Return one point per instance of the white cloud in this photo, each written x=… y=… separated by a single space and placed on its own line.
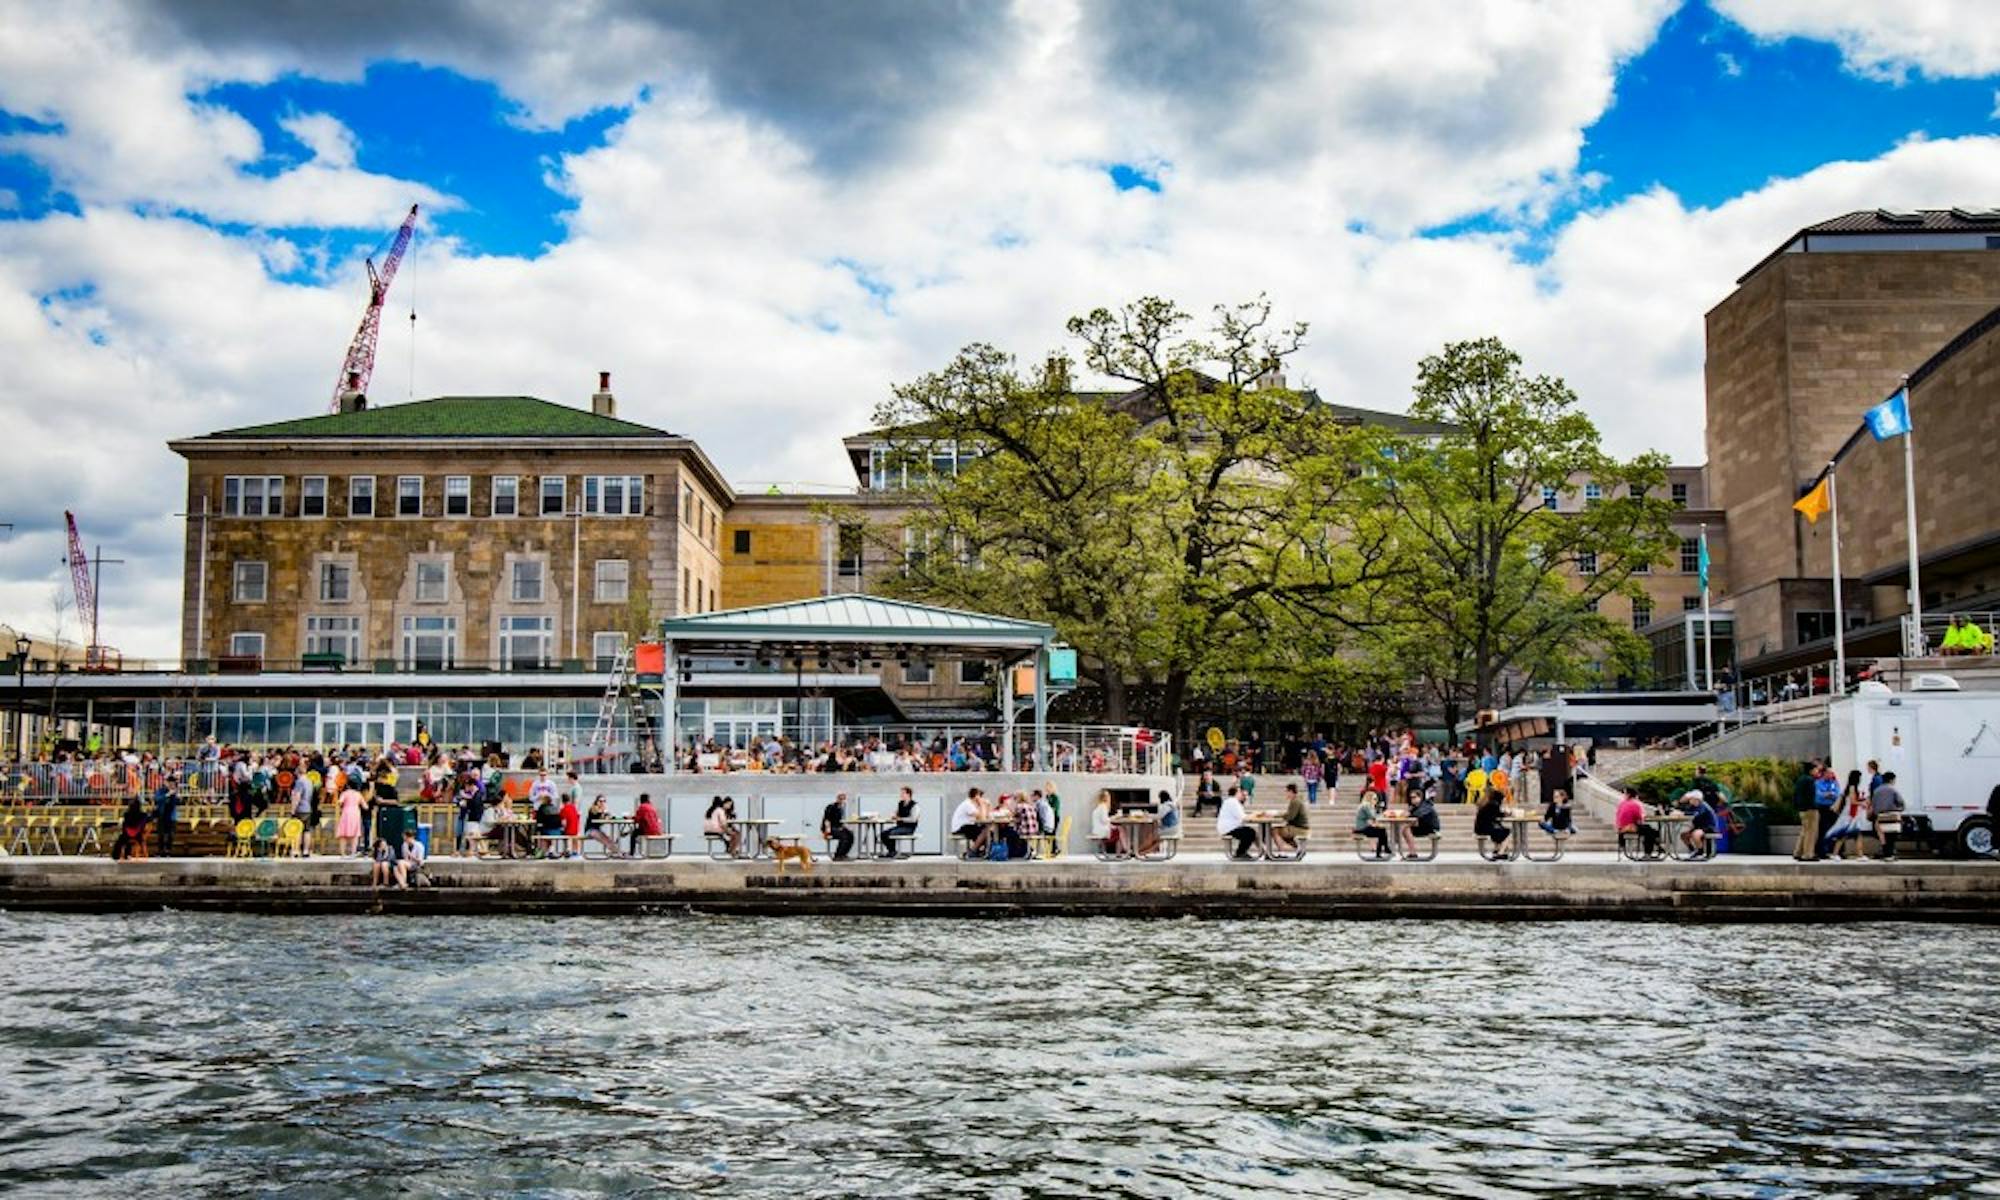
x=1940 y=38
x=716 y=265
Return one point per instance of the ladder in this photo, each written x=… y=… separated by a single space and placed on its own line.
x=622 y=687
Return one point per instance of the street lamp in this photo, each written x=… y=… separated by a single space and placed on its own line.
x=22 y=645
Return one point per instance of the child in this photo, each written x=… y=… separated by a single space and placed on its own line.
x=385 y=863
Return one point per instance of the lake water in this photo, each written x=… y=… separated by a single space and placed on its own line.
x=203 y=1055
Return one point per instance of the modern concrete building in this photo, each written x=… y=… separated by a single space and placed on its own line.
x=1820 y=330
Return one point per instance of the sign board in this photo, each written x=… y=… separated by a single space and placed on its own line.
x=1062 y=664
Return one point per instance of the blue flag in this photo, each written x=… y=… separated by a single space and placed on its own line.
x=1704 y=560
x=1891 y=418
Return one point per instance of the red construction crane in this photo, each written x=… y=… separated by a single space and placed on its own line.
x=360 y=361
x=84 y=573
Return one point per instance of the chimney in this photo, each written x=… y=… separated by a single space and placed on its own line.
x=604 y=404
x=351 y=399
x=1272 y=376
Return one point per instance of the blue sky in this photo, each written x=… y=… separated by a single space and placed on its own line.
x=762 y=220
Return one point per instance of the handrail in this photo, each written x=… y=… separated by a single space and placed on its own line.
x=1933 y=630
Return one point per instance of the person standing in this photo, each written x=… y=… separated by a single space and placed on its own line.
x=347 y=829
x=1310 y=773
x=1805 y=790
x=301 y=801
x=1826 y=803
x=166 y=808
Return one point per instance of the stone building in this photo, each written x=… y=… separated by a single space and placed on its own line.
x=1819 y=331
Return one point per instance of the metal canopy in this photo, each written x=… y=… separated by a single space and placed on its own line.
x=860 y=625
x=856 y=621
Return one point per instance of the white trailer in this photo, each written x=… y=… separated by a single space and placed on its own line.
x=1944 y=746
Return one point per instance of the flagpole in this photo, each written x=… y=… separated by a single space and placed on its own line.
x=1838 y=684
x=1707 y=641
x=1916 y=646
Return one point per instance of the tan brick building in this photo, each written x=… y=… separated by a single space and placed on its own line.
x=1814 y=335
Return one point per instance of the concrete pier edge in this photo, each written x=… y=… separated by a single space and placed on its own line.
x=1763 y=889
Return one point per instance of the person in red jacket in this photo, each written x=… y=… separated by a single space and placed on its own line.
x=645 y=823
x=572 y=827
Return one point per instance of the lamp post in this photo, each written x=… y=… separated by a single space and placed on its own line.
x=22 y=645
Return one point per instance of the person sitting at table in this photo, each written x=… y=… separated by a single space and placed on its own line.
x=1025 y=825
x=1234 y=824
x=968 y=821
x=833 y=827
x=1556 y=815
x=1168 y=826
x=1424 y=822
x=1487 y=821
x=1102 y=832
x=906 y=823
x=502 y=829
x=1365 y=824
x=1630 y=821
x=645 y=824
x=593 y=827
x=1288 y=835
x=719 y=820
x=1702 y=821
x=548 y=823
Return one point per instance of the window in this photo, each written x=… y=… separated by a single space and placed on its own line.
x=687 y=504
x=361 y=496
x=740 y=541
x=554 y=493
x=687 y=579
x=335 y=582
x=409 y=495
x=506 y=495
x=1592 y=493
x=334 y=635
x=430 y=643
x=613 y=580
x=1590 y=605
x=250 y=580
x=312 y=496
x=1642 y=613
x=253 y=495
x=712 y=605
x=1690 y=603
x=975 y=671
x=458 y=495
x=850 y=551
x=614 y=495
x=524 y=642
x=606 y=649
x=1680 y=494
x=1644 y=568
x=916 y=672
x=527 y=581
x=1690 y=556
x=432 y=586
x=1586 y=562
x=246 y=645
x=1549 y=498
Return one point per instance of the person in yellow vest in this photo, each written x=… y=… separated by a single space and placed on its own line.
x=1956 y=639
x=1475 y=783
x=1977 y=640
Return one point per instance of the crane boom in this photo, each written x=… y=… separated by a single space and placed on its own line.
x=359 y=364
x=79 y=574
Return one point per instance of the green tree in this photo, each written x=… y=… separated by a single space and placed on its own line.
x=1490 y=586
x=1171 y=529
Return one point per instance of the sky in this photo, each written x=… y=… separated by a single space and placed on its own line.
x=762 y=216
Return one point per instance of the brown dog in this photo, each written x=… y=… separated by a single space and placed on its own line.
x=781 y=852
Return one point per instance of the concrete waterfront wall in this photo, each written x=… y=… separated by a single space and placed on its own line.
x=797 y=800
x=1753 y=889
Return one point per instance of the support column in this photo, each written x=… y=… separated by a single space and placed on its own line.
x=1005 y=689
x=670 y=703
x=1041 y=754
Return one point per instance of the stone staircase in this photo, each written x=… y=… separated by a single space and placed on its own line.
x=1333 y=819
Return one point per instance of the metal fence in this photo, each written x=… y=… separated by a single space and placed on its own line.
x=110 y=781
x=1928 y=639
x=892 y=749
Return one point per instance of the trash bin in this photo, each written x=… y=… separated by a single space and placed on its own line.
x=1756 y=835
x=389 y=823
x=424 y=839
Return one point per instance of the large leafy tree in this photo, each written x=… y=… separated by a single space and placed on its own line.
x=1175 y=528
x=1490 y=587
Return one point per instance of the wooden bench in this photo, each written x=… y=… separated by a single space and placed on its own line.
x=908 y=843
x=663 y=842
x=1366 y=838
x=717 y=846
x=1436 y=838
x=1273 y=854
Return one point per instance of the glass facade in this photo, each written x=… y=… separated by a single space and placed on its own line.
x=516 y=723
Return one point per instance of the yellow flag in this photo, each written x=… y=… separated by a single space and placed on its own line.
x=1814 y=503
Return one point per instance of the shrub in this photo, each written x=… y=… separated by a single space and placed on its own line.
x=1766 y=781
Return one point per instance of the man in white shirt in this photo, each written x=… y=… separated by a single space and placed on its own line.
x=968 y=822
x=410 y=867
x=1232 y=824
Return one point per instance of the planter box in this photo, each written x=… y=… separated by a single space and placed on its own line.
x=1784 y=838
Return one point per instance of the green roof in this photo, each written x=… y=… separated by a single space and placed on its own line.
x=454 y=416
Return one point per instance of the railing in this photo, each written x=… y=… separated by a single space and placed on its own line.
x=892 y=749
x=109 y=781
x=1936 y=625
x=1794 y=697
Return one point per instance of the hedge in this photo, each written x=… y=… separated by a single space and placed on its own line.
x=1766 y=781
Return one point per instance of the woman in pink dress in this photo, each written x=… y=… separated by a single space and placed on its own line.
x=348 y=831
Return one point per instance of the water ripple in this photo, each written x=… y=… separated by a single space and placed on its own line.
x=174 y=1054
